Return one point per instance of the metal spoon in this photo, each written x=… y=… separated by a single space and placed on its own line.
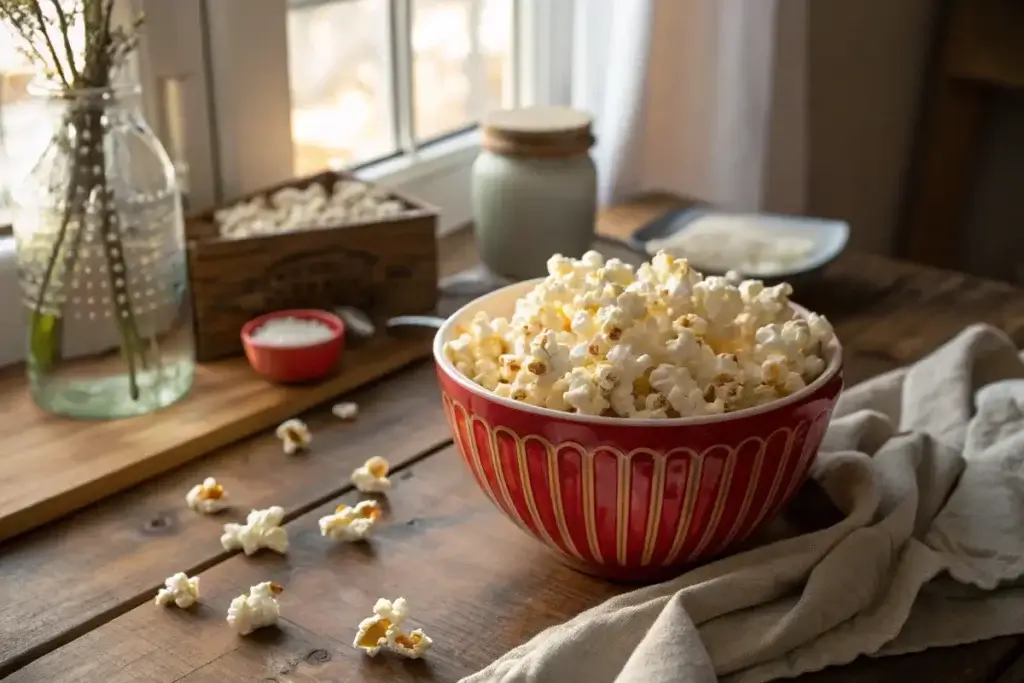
x=431 y=321
x=359 y=323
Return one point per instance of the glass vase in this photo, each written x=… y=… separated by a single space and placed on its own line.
x=102 y=263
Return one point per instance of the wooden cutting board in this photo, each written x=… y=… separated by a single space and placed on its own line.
x=50 y=466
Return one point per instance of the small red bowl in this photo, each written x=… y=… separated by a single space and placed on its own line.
x=291 y=364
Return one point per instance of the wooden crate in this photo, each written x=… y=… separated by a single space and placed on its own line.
x=385 y=267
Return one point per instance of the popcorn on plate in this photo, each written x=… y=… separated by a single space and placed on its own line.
x=179 y=590
x=294 y=435
x=258 y=609
x=600 y=337
x=208 y=497
x=351 y=524
x=372 y=476
x=384 y=630
x=346 y=410
x=262 y=529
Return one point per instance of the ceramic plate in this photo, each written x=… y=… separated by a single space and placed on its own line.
x=823 y=240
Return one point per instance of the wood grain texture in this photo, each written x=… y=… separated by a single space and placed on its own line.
x=476 y=584
x=86 y=461
x=66 y=578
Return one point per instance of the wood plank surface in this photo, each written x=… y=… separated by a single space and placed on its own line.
x=86 y=461
x=887 y=313
x=66 y=578
x=476 y=584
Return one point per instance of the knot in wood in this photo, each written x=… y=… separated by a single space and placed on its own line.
x=318 y=656
x=159 y=524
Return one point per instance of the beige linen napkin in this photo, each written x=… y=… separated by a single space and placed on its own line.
x=926 y=465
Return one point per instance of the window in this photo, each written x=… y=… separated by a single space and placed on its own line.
x=249 y=93
x=22 y=135
x=394 y=87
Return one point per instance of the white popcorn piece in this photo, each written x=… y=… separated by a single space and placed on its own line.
x=384 y=630
x=412 y=645
x=208 y=497
x=294 y=435
x=292 y=208
x=596 y=336
x=262 y=529
x=258 y=609
x=372 y=476
x=179 y=590
x=346 y=410
x=351 y=523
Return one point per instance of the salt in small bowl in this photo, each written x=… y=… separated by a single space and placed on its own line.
x=292 y=363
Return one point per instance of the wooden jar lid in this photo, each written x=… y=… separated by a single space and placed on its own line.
x=538 y=132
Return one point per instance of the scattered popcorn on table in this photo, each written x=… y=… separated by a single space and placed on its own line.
x=208 y=497
x=179 y=590
x=295 y=436
x=292 y=209
x=256 y=610
x=346 y=410
x=600 y=337
x=372 y=477
x=262 y=529
x=383 y=630
x=351 y=523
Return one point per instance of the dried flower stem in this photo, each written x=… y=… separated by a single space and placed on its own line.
x=88 y=187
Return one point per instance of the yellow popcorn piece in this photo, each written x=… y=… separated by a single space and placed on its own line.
x=384 y=631
x=353 y=523
x=372 y=477
x=295 y=436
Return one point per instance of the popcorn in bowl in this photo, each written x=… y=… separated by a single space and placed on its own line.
x=601 y=338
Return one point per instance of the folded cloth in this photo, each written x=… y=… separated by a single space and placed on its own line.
x=926 y=465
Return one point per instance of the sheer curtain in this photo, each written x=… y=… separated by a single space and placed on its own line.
x=704 y=98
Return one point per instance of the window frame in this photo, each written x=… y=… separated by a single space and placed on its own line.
x=252 y=76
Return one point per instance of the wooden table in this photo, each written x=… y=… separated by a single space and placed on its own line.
x=76 y=596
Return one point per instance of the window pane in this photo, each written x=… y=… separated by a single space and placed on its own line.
x=462 y=62
x=26 y=123
x=339 y=66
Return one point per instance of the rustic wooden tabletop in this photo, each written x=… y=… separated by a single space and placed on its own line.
x=76 y=596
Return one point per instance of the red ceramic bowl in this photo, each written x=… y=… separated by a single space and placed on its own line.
x=291 y=364
x=632 y=499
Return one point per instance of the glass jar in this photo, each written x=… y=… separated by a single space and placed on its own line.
x=102 y=263
x=534 y=190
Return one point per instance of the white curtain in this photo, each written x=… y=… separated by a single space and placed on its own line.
x=703 y=98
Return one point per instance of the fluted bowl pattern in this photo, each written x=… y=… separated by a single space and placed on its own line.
x=632 y=499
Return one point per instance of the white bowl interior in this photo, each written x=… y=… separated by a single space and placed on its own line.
x=501 y=303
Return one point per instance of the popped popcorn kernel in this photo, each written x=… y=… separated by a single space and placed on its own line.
x=351 y=524
x=179 y=590
x=414 y=645
x=346 y=410
x=258 y=609
x=384 y=630
x=262 y=529
x=599 y=338
x=372 y=476
x=208 y=497
x=294 y=435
